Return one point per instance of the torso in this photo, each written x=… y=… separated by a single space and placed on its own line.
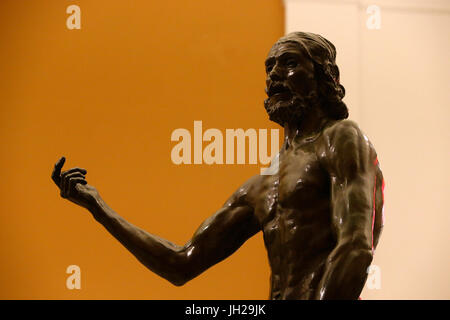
x=293 y=208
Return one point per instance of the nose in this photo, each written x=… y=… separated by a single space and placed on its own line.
x=276 y=73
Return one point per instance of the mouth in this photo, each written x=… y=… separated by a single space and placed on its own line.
x=277 y=89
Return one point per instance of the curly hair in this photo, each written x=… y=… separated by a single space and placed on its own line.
x=323 y=55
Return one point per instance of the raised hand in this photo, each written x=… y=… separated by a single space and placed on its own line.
x=73 y=185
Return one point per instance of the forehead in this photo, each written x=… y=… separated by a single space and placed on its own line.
x=286 y=47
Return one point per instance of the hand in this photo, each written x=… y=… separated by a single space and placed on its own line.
x=73 y=186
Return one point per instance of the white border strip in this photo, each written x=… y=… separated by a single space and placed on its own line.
x=435 y=6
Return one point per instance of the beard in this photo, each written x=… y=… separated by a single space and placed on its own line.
x=289 y=108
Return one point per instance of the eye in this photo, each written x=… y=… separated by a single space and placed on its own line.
x=269 y=68
x=291 y=63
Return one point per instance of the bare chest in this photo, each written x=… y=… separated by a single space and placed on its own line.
x=301 y=186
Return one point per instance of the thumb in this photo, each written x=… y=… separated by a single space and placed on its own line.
x=80 y=187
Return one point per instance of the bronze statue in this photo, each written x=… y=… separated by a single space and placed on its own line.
x=320 y=213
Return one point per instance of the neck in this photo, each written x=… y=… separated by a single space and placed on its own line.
x=308 y=126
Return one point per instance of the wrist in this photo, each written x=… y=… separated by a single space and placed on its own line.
x=96 y=207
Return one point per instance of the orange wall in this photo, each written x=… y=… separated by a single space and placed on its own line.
x=108 y=97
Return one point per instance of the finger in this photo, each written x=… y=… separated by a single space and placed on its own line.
x=73 y=182
x=57 y=171
x=83 y=171
x=63 y=183
x=63 y=187
x=66 y=180
x=73 y=174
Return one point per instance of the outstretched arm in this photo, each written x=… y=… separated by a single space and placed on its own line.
x=217 y=238
x=350 y=161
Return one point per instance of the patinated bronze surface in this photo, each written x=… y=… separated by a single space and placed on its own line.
x=320 y=213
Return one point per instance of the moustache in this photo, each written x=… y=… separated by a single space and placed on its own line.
x=287 y=106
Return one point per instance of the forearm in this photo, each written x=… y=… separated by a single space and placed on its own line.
x=159 y=255
x=346 y=266
x=345 y=273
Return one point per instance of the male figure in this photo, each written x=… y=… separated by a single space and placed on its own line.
x=320 y=213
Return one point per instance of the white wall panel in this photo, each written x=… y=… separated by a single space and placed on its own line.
x=398 y=89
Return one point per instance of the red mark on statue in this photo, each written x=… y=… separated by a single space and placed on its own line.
x=374 y=211
x=382 y=197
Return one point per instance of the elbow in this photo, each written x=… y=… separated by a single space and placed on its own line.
x=357 y=251
x=181 y=272
x=180 y=278
x=178 y=282
x=363 y=256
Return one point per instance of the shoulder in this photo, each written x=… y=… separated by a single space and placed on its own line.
x=346 y=150
x=342 y=131
x=244 y=193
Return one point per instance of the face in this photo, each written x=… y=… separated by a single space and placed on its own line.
x=290 y=84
